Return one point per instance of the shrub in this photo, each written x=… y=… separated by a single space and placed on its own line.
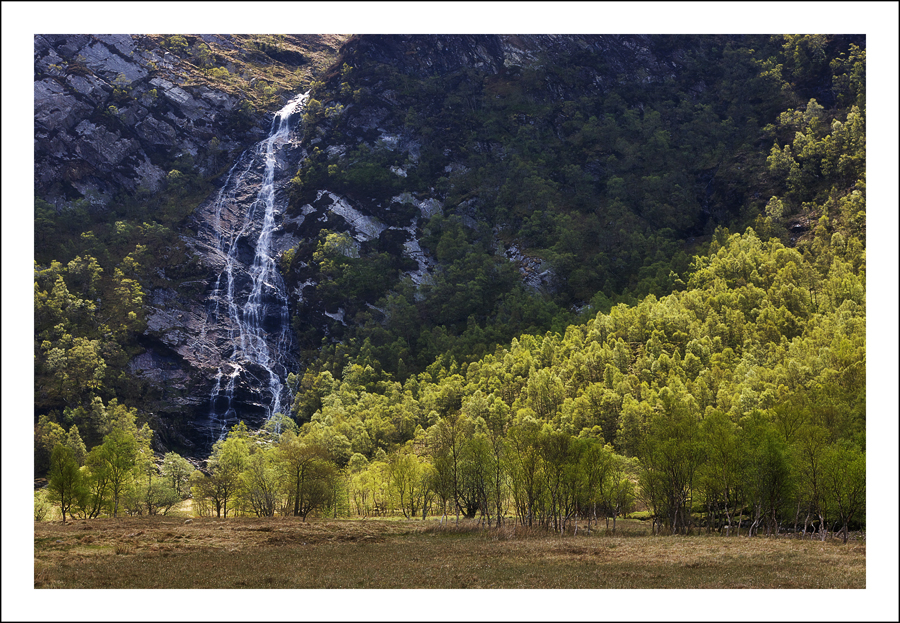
x=43 y=510
x=176 y=44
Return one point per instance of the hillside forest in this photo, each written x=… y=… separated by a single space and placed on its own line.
x=691 y=350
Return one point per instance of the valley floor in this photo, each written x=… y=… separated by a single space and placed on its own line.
x=171 y=552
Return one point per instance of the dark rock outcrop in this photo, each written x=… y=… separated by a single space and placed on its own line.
x=112 y=110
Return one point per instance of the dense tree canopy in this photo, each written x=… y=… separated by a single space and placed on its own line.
x=611 y=190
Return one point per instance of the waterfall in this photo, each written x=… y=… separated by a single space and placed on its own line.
x=258 y=319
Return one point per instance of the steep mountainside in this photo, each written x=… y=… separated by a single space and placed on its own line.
x=510 y=184
x=203 y=230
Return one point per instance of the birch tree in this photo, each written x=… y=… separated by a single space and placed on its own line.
x=66 y=486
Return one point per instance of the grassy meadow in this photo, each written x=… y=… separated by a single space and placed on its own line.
x=172 y=552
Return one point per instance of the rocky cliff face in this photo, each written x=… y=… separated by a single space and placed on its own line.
x=113 y=111
x=110 y=111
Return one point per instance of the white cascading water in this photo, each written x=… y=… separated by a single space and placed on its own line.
x=253 y=343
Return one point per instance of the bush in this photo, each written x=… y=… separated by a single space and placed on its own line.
x=43 y=510
x=219 y=73
x=176 y=44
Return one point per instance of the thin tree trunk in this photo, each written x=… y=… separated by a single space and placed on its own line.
x=297 y=495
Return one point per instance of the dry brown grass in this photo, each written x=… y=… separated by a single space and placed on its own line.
x=319 y=52
x=288 y=553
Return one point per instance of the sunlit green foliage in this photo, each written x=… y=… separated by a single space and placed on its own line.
x=718 y=391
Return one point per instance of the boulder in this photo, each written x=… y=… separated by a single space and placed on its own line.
x=149 y=175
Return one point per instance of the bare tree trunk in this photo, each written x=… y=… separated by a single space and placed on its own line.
x=754 y=527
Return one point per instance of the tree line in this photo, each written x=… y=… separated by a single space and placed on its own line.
x=739 y=401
